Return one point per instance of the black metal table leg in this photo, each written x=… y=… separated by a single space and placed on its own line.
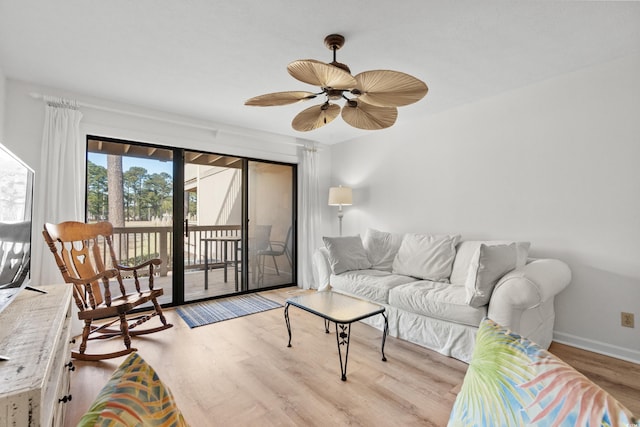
x=286 y=319
x=326 y=325
x=224 y=251
x=342 y=338
x=384 y=335
x=206 y=265
x=235 y=262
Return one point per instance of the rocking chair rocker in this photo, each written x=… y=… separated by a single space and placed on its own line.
x=76 y=247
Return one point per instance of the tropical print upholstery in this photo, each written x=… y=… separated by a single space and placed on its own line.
x=513 y=382
x=134 y=396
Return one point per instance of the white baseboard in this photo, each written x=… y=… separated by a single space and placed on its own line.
x=598 y=347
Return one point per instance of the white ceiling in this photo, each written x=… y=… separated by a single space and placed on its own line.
x=204 y=58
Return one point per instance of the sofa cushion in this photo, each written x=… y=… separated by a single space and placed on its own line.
x=346 y=254
x=381 y=248
x=468 y=249
x=426 y=256
x=373 y=285
x=513 y=382
x=436 y=299
x=491 y=263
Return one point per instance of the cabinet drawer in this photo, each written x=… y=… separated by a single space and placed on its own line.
x=35 y=335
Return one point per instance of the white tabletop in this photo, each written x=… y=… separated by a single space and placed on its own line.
x=336 y=307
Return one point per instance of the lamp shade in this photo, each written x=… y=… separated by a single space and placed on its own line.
x=340 y=196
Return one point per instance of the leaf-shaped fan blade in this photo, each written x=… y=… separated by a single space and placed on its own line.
x=279 y=98
x=386 y=88
x=367 y=116
x=320 y=74
x=315 y=117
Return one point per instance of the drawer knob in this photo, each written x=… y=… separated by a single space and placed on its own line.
x=65 y=399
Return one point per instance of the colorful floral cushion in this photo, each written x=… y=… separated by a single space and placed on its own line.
x=134 y=396
x=513 y=382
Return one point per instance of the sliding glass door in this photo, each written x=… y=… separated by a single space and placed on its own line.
x=271 y=224
x=221 y=224
x=213 y=225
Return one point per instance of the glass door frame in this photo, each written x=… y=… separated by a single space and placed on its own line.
x=178 y=226
x=246 y=279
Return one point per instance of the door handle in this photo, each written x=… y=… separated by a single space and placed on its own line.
x=186 y=228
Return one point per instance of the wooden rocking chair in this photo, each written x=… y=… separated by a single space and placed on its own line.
x=76 y=247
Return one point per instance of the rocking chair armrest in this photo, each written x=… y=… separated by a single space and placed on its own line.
x=154 y=261
x=106 y=274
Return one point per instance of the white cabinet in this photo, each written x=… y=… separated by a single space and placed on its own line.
x=34 y=334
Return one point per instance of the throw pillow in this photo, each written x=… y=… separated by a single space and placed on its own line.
x=468 y=249
x=346 y=254
x=513 y=382
x=490 y=264
x=381 y=248
x=134 y=396
x=426 y=257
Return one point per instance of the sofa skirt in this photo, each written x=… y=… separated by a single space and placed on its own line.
x=447 y=338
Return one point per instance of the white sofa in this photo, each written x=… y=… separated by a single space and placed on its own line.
x=437 y=289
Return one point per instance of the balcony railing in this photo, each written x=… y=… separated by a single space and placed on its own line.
x=134 y=245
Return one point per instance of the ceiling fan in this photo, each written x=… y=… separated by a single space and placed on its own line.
x=373 y=95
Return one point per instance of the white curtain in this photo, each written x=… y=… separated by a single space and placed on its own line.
x=310 y=220
x=60 y=182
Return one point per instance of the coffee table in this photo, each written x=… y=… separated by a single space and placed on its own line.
x=342 y=310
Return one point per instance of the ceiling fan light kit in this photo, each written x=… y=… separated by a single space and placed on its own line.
x=371 y=97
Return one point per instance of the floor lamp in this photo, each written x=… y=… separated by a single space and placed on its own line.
x=340 y=196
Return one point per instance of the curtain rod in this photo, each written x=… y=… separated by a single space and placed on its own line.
x=36 y=95
x=132 y=113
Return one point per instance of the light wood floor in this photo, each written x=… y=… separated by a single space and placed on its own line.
x=240 y=372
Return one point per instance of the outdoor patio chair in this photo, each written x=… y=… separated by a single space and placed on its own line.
x=259 y=243
x=77 y=250
x=276 y=249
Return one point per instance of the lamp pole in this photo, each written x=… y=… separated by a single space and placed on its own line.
x=340 y=196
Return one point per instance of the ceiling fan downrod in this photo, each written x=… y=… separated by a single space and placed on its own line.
x=335 y=42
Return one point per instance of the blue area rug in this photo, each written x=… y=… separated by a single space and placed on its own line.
x=205 y=313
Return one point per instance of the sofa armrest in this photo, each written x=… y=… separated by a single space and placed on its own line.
x=322 y=268
x=526 y=288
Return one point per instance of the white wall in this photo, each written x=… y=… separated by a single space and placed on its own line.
x=555 y=163
x=211 y=201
